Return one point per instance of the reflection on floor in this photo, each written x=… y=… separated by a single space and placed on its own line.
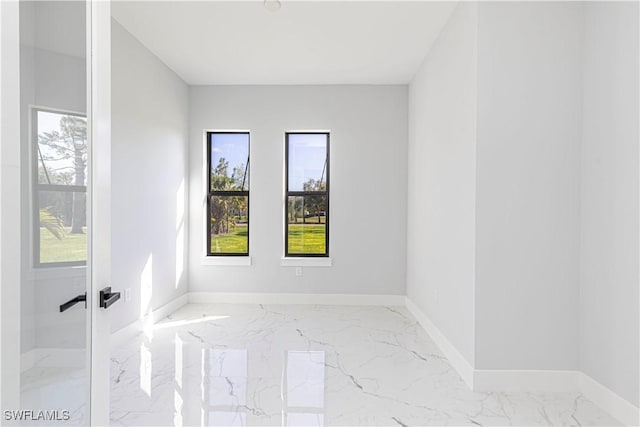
x=246 y=365
x=54 y=390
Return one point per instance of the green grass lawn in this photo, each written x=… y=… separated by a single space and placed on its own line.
x=72 y=247
x=233 y=243
x=307 y=238
x=303 y=238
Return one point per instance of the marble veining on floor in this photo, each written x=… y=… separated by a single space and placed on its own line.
x=301 y=365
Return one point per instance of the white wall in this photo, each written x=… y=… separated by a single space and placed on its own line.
x=529 y=129
x=441 y=199
x=368 y=185
x=555 y=188
x=149 y=156
x=609 y=199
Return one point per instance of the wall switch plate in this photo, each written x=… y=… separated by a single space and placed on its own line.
x=298 y=271
x=127 y=294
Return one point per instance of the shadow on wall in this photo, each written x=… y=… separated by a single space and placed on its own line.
x=180 y=243
x=146 y=291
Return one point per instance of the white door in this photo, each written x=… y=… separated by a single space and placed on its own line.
x=55 y=213
x=100 y=206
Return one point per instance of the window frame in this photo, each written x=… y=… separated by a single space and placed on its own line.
x=226 y=193
x=288 y=193
x=37 y=187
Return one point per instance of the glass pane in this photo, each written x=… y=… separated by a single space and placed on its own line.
x=53 y=353
x=62 y=148
x=307 y=162
x=229 y=224
x=307 y=224
x=63 y=227
x=229 y=161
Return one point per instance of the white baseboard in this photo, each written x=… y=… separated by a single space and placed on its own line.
x=457 y=360
x=476 y=379
x=529 y=380
x=53 y=358
x=169 y=308
x=126 y=333
x=525 y=380
x=298 y=298
x=131 y=330
x=620 y=408
x=558 y=381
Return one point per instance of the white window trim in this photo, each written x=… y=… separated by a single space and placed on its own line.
x=306 y=262
x=212 y=260
x=301 y=261
x=46 y=270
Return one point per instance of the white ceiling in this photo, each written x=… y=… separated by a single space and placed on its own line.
x=305 y=42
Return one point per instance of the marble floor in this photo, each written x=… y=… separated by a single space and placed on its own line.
x=55 y=389
x=300 y=365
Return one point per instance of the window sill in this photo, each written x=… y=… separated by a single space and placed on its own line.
x=226 y=260
x=306 y=262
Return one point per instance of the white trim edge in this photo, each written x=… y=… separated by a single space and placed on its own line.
x=170 y=307
x=620 y=408
x=529 y=380
x=478 y=380
x=459 y=363
x=306 y=262
x=525 y=380
x=131 y=330
x=558 y=381
x=125 y=333
x=297 y=298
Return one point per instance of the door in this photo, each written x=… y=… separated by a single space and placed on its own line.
x=55 y=222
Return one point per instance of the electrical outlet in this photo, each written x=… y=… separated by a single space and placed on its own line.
x=298 y=271
x=127 y=294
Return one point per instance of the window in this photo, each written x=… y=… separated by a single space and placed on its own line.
x=307 y=194
x=59 y=161
x=228 y=195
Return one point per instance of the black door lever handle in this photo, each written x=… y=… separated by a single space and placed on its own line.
x=80 y=298
x=107 y=297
